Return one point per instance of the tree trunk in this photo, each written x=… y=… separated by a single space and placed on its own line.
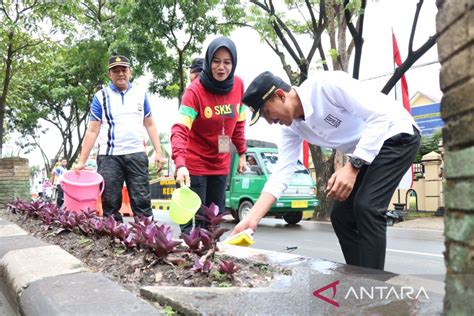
x=324 y=169
x=6 y=84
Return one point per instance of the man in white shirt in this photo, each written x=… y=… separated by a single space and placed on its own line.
x=334 y=110
x=118 y=116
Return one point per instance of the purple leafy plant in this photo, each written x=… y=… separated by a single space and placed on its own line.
x=143 y=221
x=47 y=219
x=164 y=243
x=47 y=214
x=143 y=233
x=202 y=267
x=211 y=215
x=213 y=218
x=97 y=224
x=215 y=232
x=17 y=206
x=122 y=231
x=84 y=222
x=130 y=241
x=33 y=209
x=198 y=240
x=89 y=213
x=117 y=230
x=110 y=226
x=228 y=267
x=149 y=235
x=67 y=220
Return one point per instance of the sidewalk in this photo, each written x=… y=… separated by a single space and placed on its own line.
x=431 y=223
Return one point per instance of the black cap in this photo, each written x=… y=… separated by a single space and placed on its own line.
x=196 y=65
x=259 y=91
x=118 y=60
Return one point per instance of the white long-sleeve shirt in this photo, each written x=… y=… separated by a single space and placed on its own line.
x=339 y=113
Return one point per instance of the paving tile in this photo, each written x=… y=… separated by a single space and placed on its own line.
x=9 y=229
x=23 y=266
x=81 y=294
x=10 y=243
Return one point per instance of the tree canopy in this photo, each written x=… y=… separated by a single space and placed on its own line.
x=55 y=54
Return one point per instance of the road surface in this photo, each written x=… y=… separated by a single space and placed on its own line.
x=409 y=251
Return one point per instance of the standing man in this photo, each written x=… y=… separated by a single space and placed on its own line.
x=334 y=110
x=56 y=178
x=117 y=116
x=195 y=68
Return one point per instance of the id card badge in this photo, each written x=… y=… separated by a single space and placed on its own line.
x=223 y=144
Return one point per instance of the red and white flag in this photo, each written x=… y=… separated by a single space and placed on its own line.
x=306 y=154
x=398 y=61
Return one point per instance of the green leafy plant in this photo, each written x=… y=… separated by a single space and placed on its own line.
x=86 y=242
x=168 y=311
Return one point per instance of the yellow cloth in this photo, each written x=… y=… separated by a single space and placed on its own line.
x=244 y=239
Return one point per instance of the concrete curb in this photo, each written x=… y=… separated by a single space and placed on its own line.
x=40 y=279
x=294 y=295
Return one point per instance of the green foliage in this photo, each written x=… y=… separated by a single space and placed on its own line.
x=166 y=35
x=333 y=53
x=219 y=277
x=60 y=93
x=355 y=7
x=168 y=311
x=85 y=242
x=428 y=144
x=262 y=23
x=119 y=249
x=26 y=29
x=34 y=171
x=225 y=284
x=152 y=169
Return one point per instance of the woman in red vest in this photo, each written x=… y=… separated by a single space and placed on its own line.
x=211 y=118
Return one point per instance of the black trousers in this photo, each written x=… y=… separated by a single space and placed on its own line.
x=131 y=169
x=210 y=189
x=359 y=222
x=60 y=196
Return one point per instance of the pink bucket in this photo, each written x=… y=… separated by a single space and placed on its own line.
x=81 y=190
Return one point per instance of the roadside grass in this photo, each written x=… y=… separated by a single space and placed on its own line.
x=416 y=215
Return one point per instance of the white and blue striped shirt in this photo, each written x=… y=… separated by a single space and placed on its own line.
x=121 y=114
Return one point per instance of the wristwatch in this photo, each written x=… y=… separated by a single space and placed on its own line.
x=356 y=162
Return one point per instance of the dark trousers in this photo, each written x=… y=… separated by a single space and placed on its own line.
x=131 y=169
x=359 y=222
x=60 y=196
x=210 y=189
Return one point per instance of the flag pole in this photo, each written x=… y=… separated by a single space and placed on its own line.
x=394 y=65
x=397 y=60
x=395 y=90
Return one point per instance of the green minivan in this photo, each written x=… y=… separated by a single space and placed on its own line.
x=243 y=189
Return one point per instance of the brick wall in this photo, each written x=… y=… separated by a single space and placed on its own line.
x=455 y=26
x=14 y=179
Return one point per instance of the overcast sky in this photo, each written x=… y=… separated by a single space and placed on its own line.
x=381 y=16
